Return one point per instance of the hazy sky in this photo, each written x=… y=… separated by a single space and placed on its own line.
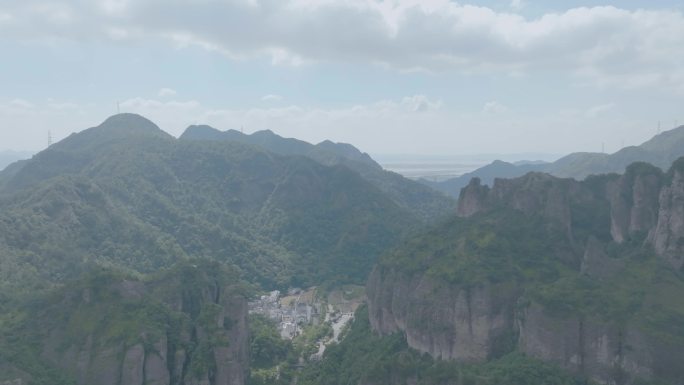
x=393 y=76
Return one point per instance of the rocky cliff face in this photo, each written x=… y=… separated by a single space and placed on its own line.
x=600 y=221
x=600 y=350
x=187 y=326
x=668 y=235
x=483 y=323
x=643 y=203
x=447 y=323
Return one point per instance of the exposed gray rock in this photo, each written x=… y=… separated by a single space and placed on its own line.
x=106 y=366
x=643 y=204
x=139 y=352
x=606 y=353
x=156 y=368
x=232 y=360
x=668 y=237
x=472 y=198
x=133 y=364
x=467 y=325
x=597 y=264
x=634 y=201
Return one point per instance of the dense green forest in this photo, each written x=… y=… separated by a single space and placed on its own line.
x=423 y=202
x=127 y=195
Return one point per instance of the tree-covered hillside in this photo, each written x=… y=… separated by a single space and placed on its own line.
x=423 y=202
x=127 y=194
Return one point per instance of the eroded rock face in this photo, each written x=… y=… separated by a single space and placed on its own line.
x=634 y=202
x=483 y=323
x=606 y=353
x=206 y=344
x=597 y=264
x=668 y=236
x=472 y=199
x=133 y=365
x=643 y=204
x=451 y=324
x=583 y=346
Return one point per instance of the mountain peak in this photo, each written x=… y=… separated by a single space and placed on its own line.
x=129 y=121
x=267 y=133
x=125 y=126
x=201 y=132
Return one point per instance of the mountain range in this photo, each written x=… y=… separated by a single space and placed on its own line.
x=127 y=256
x=661 y=151
x=127 y=194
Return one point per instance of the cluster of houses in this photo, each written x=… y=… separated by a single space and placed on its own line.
x=291 y=316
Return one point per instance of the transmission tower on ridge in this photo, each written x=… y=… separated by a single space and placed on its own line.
x=49 y=138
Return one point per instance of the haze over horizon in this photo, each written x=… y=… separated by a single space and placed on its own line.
x=390 y=77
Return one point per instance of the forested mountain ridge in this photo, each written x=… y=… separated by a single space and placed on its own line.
x=661 y=151
x=583 y=275
x=422 y=201
x=127 y=194
x=326 y=152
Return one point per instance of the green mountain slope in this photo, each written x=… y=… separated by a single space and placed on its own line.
x=127 y=194
x=410 y=195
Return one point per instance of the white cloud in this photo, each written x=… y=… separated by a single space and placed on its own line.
x=143 y=104
x=350 y=124
x=166 y=92
x=16 y=106
x=114 y=7
x=494 y=108
x=420 y=103
x=5 y=17
x=607 y=46
x=413 y=124
x=595 y=111
x=271 y=98
x=517 y=4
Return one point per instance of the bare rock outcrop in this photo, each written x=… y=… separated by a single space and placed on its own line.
x=451 y=324
x=188 y=326
x=668 y=236
x=604 y=352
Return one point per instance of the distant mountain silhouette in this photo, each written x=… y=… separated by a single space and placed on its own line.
x=487 y=174
x=662 y=150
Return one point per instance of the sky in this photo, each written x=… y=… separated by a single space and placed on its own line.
x=426 y=77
